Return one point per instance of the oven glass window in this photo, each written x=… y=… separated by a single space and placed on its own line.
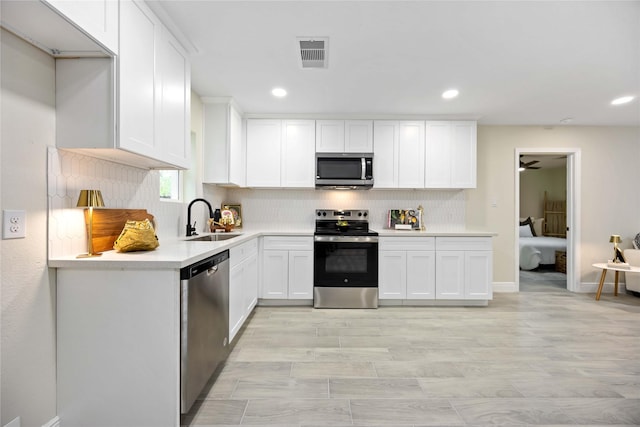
x=346 y=261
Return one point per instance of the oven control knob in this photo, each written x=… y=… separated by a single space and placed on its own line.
x=346 y=280
x=365 y=214
x=359 y=213
x=324 y=214
x=319 y=213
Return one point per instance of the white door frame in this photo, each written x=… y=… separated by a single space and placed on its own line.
x=573 y=211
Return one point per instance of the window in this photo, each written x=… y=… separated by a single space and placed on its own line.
x=170 y=184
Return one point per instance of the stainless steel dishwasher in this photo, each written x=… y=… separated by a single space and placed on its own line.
x=204 y=324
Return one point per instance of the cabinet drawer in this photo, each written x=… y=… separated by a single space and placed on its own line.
x=239 y=253
x=463 y=244
x=288 y=243
x=407 y=243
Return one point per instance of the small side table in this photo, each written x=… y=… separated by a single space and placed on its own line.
x=604 y=267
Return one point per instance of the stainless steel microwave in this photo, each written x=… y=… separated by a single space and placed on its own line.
x=344 y=171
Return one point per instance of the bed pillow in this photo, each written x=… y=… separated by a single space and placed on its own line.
x=525 y=231
x=636 y=241
x=528 y=222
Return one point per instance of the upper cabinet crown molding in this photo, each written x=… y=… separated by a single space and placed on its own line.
x=65 y=28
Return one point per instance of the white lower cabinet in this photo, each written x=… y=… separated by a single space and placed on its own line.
x=441 y=268
x=243 y=284
x=407 y=268
x=464 y=268
x=287 y=268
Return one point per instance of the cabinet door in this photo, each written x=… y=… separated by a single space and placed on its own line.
x=385 y=161
x=174 y=118
x=139 y=33
x=478 y=275
x=263 y=152
x=275 y=274
x=410 y=153
x=222 y=146
x=236 y=148
x=298 y=153
x=99 y=18
x=330 y=136
x=421 y=275
x=450 y=274
x=438 y=155
x=300 y=274
x=358 y=136
x=392 y=275
x=463 y=154
x=236 y=299
x=250 y=289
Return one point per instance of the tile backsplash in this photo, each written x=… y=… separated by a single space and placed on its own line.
x=122 y=186
x=127 y=187
x=444 y=210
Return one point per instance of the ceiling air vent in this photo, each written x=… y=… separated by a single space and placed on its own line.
x=313 y=51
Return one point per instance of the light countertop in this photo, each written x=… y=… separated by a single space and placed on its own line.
x=179 y=252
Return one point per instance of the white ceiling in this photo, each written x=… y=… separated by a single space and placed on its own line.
x=516 y=63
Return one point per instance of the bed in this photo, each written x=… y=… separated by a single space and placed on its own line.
x=540 y=250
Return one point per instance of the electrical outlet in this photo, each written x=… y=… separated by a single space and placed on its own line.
x=14 y=224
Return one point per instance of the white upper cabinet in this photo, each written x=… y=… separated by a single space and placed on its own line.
x=411 y=155
x=223 y=148
x=450 y=154
x=344 y=136
x=385 y=158
x=298 y=154
x=330 y=136
x=65 y=28
x=358 y=136
x=263 y=152
x=173 y=119
x=280 y=153
x=139 y=32
x=133 y=109
x=398 y=154
x=98 y=18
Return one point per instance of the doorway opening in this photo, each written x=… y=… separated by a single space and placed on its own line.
x=547 y=219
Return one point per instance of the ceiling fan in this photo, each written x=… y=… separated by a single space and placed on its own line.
x=528 y=165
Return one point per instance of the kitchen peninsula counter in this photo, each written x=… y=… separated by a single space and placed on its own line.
x=171 y=254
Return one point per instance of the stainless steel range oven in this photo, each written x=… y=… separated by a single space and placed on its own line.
x=345 y=260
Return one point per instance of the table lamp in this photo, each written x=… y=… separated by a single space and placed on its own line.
x=617 y=254
x=90 y=199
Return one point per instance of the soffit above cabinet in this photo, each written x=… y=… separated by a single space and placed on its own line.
x=39 y=24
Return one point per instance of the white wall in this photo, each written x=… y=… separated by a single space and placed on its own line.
x=610 y=196
x=534 y=183
x=28 y=287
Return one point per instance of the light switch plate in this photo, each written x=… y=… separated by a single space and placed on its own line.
x=14 y=224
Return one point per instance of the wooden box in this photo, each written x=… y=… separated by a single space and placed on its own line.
x=561 y=261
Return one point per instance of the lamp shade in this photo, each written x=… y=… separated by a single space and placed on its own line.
x=90 y=199
x=615 y=238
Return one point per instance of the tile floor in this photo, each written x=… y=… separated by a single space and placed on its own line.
x=532 y=358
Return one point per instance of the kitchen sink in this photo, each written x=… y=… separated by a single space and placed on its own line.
x=214 y=237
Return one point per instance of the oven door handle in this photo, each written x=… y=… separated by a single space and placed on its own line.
x=346 y=239
x=363 y=175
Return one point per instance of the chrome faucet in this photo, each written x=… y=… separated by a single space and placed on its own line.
x=191 y=230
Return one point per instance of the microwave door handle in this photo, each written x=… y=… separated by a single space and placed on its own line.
x=364 y=168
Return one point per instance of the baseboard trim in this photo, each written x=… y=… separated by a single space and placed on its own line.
x=55 y=422
x=505 y=287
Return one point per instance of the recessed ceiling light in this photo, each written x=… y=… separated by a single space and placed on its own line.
x=279 y=92
x=622 y=100
x=449 y=94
